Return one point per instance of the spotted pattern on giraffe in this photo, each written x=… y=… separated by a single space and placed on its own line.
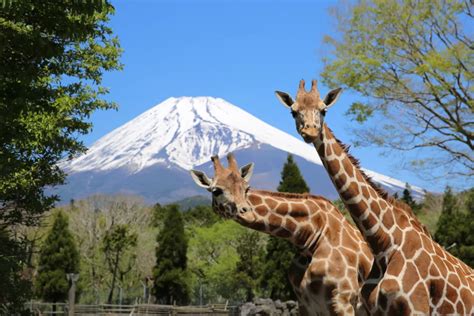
x=334 y=259
x=411 y=274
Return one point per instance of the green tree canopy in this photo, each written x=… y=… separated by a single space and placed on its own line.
x=291 y=179
x=280 y=252
x=413 y=64
x=250 y=264
x=58 y=257
x=170 y=272
x=455 y=228
x=52 y=58
x=117 y=244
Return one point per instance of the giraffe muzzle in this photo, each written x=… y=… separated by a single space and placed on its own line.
x=309 y=134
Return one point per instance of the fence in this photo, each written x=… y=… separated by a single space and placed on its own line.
x=47 y=309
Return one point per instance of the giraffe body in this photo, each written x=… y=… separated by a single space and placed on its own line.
x=411 y=274
x=334 y=258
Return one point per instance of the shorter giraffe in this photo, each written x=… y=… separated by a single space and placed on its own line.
x=335 y=260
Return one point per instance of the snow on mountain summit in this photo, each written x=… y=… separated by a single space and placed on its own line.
x=186 y=132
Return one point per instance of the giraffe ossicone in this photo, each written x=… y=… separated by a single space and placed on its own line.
x=412 y=274
x=334 y=258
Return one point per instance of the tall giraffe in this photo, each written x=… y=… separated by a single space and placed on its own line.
x=335 y=259
x=411 y=274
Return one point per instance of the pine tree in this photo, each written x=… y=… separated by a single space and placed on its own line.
x=58 y=257
x=170 y=273
x=291 y=179
x=280 y=252
x=408 y=199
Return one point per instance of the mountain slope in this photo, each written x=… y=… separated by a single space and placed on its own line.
x=151 y=154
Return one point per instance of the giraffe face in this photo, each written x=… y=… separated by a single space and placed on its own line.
x=308 y=110
x=229 y=188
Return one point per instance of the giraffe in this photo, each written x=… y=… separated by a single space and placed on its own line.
x=334 y=258
x=412 y=274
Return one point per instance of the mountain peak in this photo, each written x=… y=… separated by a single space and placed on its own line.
x=181 y=133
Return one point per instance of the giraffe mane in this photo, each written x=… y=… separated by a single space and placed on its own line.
x=384 y=194
x=292 y=195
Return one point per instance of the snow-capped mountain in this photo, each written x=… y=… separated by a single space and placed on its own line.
x=151 y=154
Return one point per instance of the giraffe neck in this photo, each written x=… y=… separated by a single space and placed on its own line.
x=298 y=218
x=366 y=204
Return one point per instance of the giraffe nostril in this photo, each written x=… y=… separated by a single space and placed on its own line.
x=245 y=210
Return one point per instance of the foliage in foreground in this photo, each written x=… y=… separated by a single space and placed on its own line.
x=412 y=64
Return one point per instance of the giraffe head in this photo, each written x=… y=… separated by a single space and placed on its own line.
x=229 y=187
x=309 y=109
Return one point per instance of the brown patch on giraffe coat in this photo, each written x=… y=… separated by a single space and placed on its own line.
x=351 y=191
x=396 y=267
x=402 y=221
x=298 y=211
x=441 y=266
x=340 y=181
x=460 y=308
x=261 y=210
x=374 y=207
x=397 y=235
x=423 y=261
x=410 y=277
x=283 y=233
x=291 y=225
x=412 y=244
x=255 y=199
x=258 y=225
x=283 y=208
x=387 y=219
x=274 y=221
x=328 y=151
x=436 y=290
x=446 y=309
x=370 y=220
x=466 y=296
x=334 y=166
x=419 y=298
x=427 y=244
x=271 y=203
x=454 y=280
x=349 y=169
x=365 y=191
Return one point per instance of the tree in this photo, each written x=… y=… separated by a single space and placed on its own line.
x=291 y=179
x=412 y=63
x=117 y=243
x=408 y=199
x=455 y=225
x=249 y=266
x=170 y=271
x=58 y=257
x=52 y=57
x=15 y=286
x=280 y=253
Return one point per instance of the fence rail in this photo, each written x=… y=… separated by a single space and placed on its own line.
x=50 y=309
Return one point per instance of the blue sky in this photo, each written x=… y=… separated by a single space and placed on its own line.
x=241 y=51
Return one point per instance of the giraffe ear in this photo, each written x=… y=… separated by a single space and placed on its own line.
x=247 y=171
x=332 y=97
x=201 y=179
x=284 y=98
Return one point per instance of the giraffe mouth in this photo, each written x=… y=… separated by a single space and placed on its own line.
x=246 y=216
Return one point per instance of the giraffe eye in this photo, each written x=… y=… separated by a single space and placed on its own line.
x=247 y=190
x=217 y=191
